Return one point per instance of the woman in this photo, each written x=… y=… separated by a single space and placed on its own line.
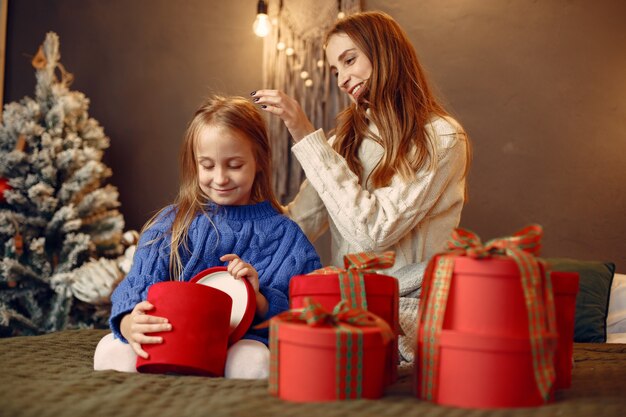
x=393 y=176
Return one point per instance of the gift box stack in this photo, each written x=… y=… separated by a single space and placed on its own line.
x=495 y=327
x=340 y=335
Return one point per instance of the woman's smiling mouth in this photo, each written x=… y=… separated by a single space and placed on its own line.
x=356 y=90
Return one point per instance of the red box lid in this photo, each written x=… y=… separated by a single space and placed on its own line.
x=487 y=266
x=323 y=336
x=313 y=284
x=473 y=341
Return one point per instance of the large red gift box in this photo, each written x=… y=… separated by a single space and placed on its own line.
x=318 y=356
x=486 y=298
x=198 y=341
x=369 y=290
x=478 y=371
x=487 y=333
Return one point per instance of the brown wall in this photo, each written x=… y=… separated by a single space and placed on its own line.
x=145 y=65
x=540 y=87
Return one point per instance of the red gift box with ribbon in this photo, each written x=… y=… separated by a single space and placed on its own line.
x=361 y=287
x=316 y=355
x=487 y=327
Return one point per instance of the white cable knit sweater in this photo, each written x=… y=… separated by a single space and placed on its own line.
x=414 y=218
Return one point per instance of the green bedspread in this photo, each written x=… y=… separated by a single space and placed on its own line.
x=52 y=375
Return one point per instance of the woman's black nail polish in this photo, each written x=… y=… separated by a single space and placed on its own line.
x=263 y=106
x=257 y=99
x=253 y=93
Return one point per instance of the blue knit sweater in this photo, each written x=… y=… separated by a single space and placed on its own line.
x=273 y=244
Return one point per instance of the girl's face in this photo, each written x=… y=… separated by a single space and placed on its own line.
x=226 y=165
x=349 y=64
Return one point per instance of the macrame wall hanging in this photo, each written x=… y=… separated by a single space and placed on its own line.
x=294 y=62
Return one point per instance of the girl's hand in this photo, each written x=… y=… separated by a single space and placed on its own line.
x=289 y=110
x=135 y=326
x=239 y=270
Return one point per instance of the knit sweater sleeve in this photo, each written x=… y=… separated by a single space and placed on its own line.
x=377 y=219
x=300 y=258
x=308 y=210
x=294 y=256
x=150 y=265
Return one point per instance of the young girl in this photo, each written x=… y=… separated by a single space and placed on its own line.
x=225 y=211
x=393 y=176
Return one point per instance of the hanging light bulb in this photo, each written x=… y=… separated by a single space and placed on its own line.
x=340 y=14
x=262 y=24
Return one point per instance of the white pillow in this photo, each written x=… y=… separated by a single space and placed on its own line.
x=616 y=317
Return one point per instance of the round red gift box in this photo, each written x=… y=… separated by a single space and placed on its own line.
x=381 y=295
x=307 y=363
x=486 y=298
x=241 y=293
x=477 y=371
x=198 y=341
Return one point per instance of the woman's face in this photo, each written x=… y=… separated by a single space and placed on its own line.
x=349 y=64
x=226 y=165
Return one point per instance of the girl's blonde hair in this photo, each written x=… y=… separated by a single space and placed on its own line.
x=234 y=113
x=398 y=95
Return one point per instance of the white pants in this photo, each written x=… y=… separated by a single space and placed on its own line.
x=246 y=359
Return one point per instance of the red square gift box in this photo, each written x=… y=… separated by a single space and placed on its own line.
x=361 y=287
x=487 y=331
x=320 y=356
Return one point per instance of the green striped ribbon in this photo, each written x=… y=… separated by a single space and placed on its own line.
x=349 y=362
x=522 y=248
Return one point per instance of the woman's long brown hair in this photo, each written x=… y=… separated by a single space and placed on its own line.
x=234 y=113
x=400 y=101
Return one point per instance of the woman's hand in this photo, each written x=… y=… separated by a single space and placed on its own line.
x=289 y=110
x=243 y=270
x=135 y=326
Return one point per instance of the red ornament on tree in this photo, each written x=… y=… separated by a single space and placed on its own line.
x=4 y=185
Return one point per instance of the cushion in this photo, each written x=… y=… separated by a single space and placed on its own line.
x=616 y=319
x=592 y=301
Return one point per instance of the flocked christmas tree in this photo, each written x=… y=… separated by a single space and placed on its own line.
x=61 y=234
